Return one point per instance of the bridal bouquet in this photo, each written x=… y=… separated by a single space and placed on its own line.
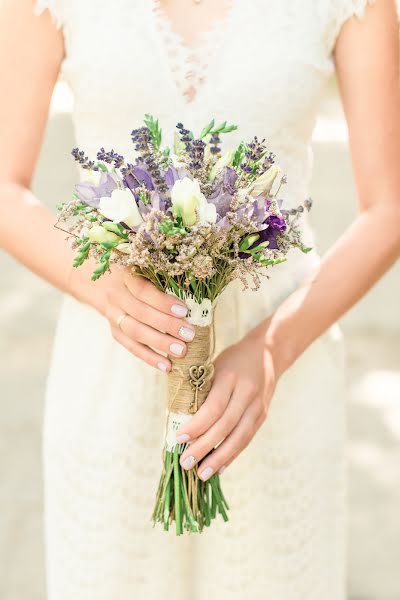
x=190 y=219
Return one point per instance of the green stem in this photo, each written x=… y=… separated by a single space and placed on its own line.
x=177 y=494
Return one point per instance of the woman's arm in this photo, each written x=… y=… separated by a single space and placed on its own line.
x=31 y=53
x=367 y=62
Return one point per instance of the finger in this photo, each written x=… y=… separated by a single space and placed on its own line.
x=145 y=313
x=234 y=444
x=146 y=354
x=240 y=400
x=259 y=422
x=139 y=332
x=212 y=409
x=211 y=438
x=147 y=292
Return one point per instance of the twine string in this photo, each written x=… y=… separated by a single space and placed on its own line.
x=189 y=380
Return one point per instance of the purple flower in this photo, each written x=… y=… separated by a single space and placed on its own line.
x=172 y=174
x=90 y=194
x=136 y=176
x=223 y=191
x=275 y=225
x=276 y=222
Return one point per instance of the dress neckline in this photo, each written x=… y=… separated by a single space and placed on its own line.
x=191 y=65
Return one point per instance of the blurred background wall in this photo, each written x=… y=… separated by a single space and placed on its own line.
x=28 y=311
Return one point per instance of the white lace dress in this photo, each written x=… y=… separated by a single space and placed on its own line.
x=264 y=67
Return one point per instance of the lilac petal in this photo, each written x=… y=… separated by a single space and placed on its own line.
x=222 y=203
x=156 y=201
x=87 y=194
x=229 y=177
x=144 y=177
x=224 y=223
x=171 y=175
x=108 y=183
x=90 y=194
x=223 y=191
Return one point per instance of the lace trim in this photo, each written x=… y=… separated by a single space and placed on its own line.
x=189 y=64
x=42 y=5
x=346 y=10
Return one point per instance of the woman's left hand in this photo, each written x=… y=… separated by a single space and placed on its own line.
x=237 y=405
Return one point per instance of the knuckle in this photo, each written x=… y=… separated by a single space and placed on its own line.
x=138 y=309
x=227 y=374
x=230 y=421
x=215 y=409
x=249 y=388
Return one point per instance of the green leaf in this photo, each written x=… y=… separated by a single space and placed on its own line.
x=240 y=152
x=115 y=228
x=230 y=128
x=305 y=249
x=207 y=129
x=266 y=262
x=109 y=245
x=155 y=131
x=102 y=167
x=248 y=241
x=174 y=286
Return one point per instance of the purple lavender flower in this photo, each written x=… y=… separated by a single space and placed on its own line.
x=90 y=194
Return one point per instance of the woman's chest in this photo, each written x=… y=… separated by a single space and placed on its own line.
x=264 y=63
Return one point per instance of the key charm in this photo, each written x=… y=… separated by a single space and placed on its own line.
x=197 y=379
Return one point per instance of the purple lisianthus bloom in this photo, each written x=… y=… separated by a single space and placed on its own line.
x=276 y=222
x=275 y=226
x=90 y=194
x=223 y=191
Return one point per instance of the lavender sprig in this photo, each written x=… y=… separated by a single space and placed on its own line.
x=84 y=160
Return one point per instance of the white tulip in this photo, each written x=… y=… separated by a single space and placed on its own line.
x=121 y=207
x=189 y=203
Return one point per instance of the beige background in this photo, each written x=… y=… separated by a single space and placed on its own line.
x=28 y=311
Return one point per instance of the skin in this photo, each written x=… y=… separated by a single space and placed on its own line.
x=246 y=374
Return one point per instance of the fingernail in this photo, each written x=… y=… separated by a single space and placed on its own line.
x=177 y=349
x=186 y=333
x=206 y=473
x=162 y=366
x=181 y=439
x=179 y=310
x=222 y=469
x=189 y=462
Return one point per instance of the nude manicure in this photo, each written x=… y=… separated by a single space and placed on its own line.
x=206 y=473
x=177 y=349
x=179 y=310
x=189 y=462
x=186 y=333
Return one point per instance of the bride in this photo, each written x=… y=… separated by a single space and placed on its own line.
x=262 y=65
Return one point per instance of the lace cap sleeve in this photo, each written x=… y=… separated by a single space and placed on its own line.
x=342 y=10
x=54 y=7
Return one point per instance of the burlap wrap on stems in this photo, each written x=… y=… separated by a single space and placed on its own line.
x=190 y=378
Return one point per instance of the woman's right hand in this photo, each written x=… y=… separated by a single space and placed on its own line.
x=154 y=321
